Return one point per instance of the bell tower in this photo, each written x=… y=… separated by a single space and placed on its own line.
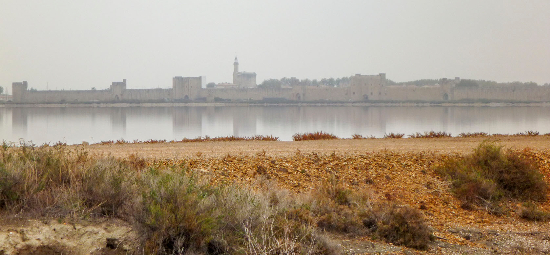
x=235 y=70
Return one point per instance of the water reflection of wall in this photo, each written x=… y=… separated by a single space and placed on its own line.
x=244 y=121
x=118 y=120
x=143 y=123
x=19 y=122
x=187 y=121
x=343 y=121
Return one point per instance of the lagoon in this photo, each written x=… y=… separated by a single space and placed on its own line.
x=74 y=125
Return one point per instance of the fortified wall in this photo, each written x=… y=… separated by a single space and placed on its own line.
x=183 y=88
x=363 y=88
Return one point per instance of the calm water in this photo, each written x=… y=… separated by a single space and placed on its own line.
x=75 y=125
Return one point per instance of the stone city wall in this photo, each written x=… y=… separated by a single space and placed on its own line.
x=363 y=88
x=147 y=95
x=520 y=94
x=66 y=96
x=415 y=93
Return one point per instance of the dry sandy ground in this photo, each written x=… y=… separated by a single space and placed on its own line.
x=248 y=148
x=395 y=166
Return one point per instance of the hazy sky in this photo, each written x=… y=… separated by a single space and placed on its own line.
x=82 y=44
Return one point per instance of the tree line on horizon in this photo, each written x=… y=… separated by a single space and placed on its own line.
x=345 y=81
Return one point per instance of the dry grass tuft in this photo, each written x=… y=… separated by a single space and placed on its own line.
x=231 y=138
x=531 y=212
x=527 y=133
x=394 y=135
x=431 y=134
x=475 y=134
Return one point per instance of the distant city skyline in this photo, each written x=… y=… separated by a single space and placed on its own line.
x=79 y=45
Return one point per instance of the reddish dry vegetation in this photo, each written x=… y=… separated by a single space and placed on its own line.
x=394 y=135
x=431 y=134
x=232 y=138
x=198 y=139
x=320 y=135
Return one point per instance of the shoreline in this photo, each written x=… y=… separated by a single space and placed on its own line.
x=213 y=149
x=241 y=104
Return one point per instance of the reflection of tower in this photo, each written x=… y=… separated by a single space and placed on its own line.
x=19 y=121
x=445 y=119
x=118 y=119
x=244 y=122
x=187 y=121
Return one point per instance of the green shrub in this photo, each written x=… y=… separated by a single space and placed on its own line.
x=175 y=209
x=109 y=188
x=487 y=175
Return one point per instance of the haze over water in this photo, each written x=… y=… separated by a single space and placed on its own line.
x=93 y=125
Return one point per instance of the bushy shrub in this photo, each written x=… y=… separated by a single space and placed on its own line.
x=28 y=174
x=176 y=210
x=109 y=188
x=487 y=175
x=400 y=225
x=332 y=204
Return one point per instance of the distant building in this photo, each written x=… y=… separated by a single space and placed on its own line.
x=225 y=85
x=243 y=79
x=361 y=88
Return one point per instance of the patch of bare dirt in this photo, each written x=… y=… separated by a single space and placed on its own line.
x=18 y=236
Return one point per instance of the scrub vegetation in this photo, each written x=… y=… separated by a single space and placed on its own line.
x=180 y=211
x=490 y=175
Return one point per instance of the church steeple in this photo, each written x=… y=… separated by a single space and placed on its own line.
x=236 y=65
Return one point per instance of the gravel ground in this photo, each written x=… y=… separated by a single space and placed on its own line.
x=217 y=149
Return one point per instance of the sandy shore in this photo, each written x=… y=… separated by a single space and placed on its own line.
x=247 y=148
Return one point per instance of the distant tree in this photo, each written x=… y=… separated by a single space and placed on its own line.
x=340 y=82
x=390 y=82
x=314 y=82
x=293 y=82
x=1 y=90
x=211 y=85
x=305 y=82
x=93 y=88
x=467 y=84
x=271 y=83
x=32 y=89
x=484 y=83
x=421 y=82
